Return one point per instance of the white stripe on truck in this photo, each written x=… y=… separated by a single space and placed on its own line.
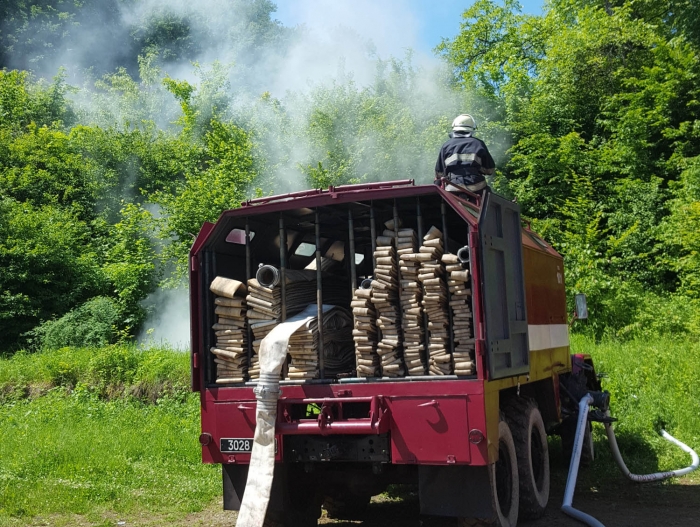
x=546 y=336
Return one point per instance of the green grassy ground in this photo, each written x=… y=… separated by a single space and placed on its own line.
x=100 y=433
x=110 y=433
x=653 y=384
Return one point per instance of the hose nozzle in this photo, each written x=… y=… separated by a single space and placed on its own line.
x=463 y=255
x=268 y=276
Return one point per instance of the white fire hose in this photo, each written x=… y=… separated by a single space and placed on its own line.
x=273 y=354
x=657 y=476
x=581 y=425
x=573 y=467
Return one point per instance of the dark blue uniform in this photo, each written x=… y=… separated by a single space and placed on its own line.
x=464 y=160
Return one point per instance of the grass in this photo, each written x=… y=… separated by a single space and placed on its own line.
x=89 y=436
x=100 y=433
x=653 y=385
x=113 y=371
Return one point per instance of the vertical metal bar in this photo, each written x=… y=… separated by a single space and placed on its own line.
x=248 y=276
x=283 y=267
x=209 y=316
x=399 y=320
x=443 y=212
x=396 y=247
x=419 y=219
x=319 y=296
x=373 y=234
x=351 y=236
x=426 y=333
x=477 y=312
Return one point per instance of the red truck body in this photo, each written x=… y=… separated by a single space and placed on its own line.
x=432 y=426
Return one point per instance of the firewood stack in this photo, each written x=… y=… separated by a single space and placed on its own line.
x=432 y=275
x=260 y=329
x=265 y=305
x=411 y=296
x=263 y=314
x=460 y=302
x=337 y=346
x=303 y=348
x=365 y=333
x=231 y=349
x=385 y=297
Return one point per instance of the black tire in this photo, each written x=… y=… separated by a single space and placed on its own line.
x=292 y=518
x=505 y=489
x=567 y=430
x=531 y=447
x=346 y=506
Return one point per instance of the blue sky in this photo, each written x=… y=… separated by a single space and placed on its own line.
x=392 y=25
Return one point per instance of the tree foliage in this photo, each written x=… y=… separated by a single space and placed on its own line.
x=601 y=102
x=591 y=110
x=47 y=266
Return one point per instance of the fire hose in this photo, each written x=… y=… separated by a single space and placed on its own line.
x=273 y=354
x=581 y=425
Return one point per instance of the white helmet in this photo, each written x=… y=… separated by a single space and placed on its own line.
x=464 y=123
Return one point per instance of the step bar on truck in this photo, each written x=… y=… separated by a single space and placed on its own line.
x=378 y=421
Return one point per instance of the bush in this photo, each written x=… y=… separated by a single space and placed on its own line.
x=62 y=373
x=91 y=324
x=114 y=366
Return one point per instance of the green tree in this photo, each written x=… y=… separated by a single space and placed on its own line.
x=221 y=182
x=130 y=263
x=43 y=167
x=681 y=230
x=47 y=266
x=24 y=101
x=37 y=33
x=602 y=92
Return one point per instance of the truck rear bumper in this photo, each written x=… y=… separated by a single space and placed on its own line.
x=426 y=423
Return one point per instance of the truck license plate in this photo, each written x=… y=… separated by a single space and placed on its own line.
x=238 y=445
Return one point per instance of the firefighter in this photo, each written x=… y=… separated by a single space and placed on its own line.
x=464 y=159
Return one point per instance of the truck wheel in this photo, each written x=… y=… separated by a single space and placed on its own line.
x=532 y=451
x=346 y=506
x=503 y=477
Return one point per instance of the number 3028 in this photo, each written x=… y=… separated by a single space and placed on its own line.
x=236 y=445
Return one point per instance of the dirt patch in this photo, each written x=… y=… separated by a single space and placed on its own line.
x=629 y=505
x=632 y=506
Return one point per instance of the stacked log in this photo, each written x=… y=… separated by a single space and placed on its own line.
x=365 y=333
x=263 y=315
x=411 y=297
x=304 y=349
x=460 y=303
x=432 y=275
x=231 y=348
x=385 y=297
x=265 y=307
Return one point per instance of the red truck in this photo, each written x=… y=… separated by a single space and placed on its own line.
x=476 y=444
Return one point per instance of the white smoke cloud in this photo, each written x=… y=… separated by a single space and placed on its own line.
x=333 y=44
x=168 y=324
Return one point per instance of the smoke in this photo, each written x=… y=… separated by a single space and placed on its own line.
x=168 y=323
x=342 y=94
